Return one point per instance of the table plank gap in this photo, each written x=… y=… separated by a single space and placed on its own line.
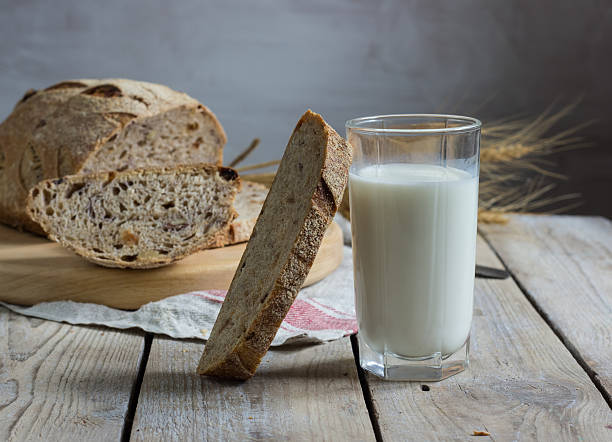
x=568 y=256
x=133 y=403
x=61 y=381
x=298 y=393
x=365 y=388
x=522 y=383
x=554 y=327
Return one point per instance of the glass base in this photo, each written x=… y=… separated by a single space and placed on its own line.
x=391 y=367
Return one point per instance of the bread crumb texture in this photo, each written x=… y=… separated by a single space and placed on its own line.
x=142 y=218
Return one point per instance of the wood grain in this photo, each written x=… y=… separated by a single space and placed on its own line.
x=303 y=393
x=34 y=270
x=522 y=383
x=60 y=382
x=564 y=264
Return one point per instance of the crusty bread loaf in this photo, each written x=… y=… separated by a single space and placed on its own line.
x=141 y=218
x=248 y=204
x=83 y=126
x=305 y=194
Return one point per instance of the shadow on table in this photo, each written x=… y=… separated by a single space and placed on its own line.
x=320 y=370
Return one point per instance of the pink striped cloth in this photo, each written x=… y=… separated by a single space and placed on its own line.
x=311 y=318
x=322 y=312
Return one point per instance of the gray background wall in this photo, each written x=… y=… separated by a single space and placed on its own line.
x=258 y=65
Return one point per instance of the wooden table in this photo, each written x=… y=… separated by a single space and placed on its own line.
x=541 y=366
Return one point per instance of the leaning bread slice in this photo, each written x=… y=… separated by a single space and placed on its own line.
x=141 y=218
x=305 y=194
x=248 y=203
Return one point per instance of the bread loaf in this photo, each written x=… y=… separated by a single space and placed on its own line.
x=138 y=218
x=84 y=126
x=304 y=196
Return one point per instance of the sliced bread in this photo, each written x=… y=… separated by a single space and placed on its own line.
x=95 y=125
x=304 y=196
x=248 y=204
x=142 y=218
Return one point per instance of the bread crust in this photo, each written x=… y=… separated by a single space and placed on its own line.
x=246 y=354
x=52 y=132
x=216 y=240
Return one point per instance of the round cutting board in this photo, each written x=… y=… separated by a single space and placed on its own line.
x=33 y=270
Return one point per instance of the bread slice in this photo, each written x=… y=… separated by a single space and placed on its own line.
x=248 y=204
x=137 y=219
x=95 y=125
x=303 y=198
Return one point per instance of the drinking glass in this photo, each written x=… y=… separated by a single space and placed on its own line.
x=413 y=189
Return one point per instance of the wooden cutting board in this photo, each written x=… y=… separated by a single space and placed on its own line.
x=33 y=270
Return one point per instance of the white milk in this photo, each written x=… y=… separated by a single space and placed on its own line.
x=414 y=236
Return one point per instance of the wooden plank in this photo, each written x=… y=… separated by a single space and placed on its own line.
x=522 y=383
x=33 y=270
x=300 y=393
x=60 y=382
x=566 y=258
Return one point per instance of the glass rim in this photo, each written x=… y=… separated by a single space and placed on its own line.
x=470 y=124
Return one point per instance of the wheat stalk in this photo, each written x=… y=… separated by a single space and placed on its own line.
x=245 y=153
x=491 y=217
x=258 y=166
x=262 y=178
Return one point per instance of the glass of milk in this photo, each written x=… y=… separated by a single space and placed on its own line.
x=413 y=190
